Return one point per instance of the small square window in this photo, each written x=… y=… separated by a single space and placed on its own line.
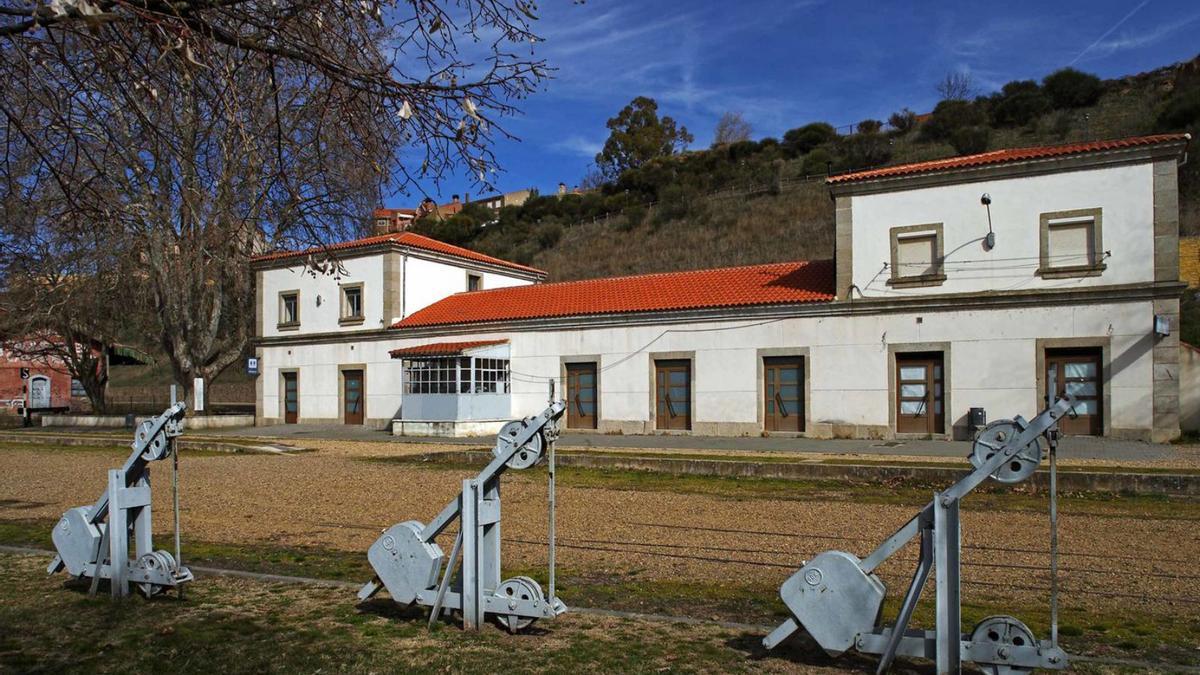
x=917 y=256
x=352 y=299
x=474 y=282
x=1070 y=244
x=289 y=309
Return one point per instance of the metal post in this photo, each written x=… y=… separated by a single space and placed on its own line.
x=552 y=502
x=175 y=498
x=1053 y=437
x=947 y=540
x=118 y=531
x=468 y=527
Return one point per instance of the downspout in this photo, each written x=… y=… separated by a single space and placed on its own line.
x=403 y=282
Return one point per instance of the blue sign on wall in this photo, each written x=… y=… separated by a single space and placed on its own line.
x=252 y=365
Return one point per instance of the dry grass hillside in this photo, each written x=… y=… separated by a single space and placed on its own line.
x=736 y=230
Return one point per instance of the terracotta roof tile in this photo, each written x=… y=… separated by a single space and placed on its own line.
x=443 y=348
x=772 y=284
x=1003 y=156
x=408 y=239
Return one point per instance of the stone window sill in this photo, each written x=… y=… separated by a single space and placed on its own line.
x=294 y=325
x=1071 y=272
x=350 y=320
x=916 y=282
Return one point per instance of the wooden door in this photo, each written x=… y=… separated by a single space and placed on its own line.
x=783 y=393
x=919 y=394
x=673 y=394
x=1079 y=372
x=581 y=396
x=291 y=399
x=352 y=381
x=39 y=392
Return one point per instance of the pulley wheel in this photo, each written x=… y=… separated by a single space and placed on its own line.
x=993 y=439
x=156 y=447
x=527 y=455
x=518 y=588
x=1003 y=631
x=156 y=561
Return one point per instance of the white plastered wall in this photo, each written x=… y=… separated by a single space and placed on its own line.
x=1123 y=193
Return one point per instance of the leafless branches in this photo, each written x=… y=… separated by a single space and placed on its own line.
x=189 y=134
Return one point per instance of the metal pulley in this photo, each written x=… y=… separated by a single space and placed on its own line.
x=525 y=456
x=1002 y=633
x=994 y=438
x=154 y=445
x=517 y=590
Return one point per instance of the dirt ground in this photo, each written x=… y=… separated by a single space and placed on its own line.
x=332 y=498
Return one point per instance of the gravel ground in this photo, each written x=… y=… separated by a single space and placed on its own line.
x=330 y=499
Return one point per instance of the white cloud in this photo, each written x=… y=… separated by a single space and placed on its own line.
x=1127 y=40
x=577 y=145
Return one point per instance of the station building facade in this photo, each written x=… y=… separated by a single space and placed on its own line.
x=992 y=281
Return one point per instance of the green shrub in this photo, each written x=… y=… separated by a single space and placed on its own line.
x=1018 y=103
x=1063 y=122
x=548 y=233
x=903 y=120
x=869 y=127
x=971 y=140
x=862 y=151
x=1182 y=111
x=1070 y=88
x=632 y=218
x=817 y=162
x=804 y=139
x=950 y=116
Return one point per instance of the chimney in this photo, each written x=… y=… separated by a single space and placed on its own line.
x=454 y=199
x=562 y=188
x=467 y=198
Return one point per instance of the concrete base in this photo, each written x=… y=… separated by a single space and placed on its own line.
x=447 y=429
x=118 y=421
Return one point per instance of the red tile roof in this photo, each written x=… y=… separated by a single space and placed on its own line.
x=443 y=348
x=1003 y=156
x=773 y=284
x=409 y=239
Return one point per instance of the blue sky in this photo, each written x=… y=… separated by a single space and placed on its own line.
x=784 y=64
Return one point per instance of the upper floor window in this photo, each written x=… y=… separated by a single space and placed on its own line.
x=474 y=282
x=289 y=309
x=917 y=252
x=1071 y=244
x=352 y=303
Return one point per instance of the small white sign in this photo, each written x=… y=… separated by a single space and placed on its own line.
x=198 y=394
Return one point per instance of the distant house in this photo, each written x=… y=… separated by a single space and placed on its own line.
x=387 y=221
x=35 y=381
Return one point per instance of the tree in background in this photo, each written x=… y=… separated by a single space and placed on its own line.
x=731 y=128
x=956 y=86
x=637 y=135
x=950 y=116
x=187 y=136
x=1070 y=88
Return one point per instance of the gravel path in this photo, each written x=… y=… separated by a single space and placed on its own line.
x=329 y=498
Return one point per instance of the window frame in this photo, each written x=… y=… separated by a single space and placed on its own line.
x=295 y=322
x=457 y=376
x=350 y=319
x=935 y=278
x=1094 y=268
x=474 y=275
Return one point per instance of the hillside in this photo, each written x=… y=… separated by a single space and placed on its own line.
x=764 y=201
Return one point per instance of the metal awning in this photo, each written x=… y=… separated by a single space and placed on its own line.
x=443 y=349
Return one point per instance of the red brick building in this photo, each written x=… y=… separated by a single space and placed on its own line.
x=46 y=384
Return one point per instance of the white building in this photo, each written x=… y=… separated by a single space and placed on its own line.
x=991 y=281
x=323 y=339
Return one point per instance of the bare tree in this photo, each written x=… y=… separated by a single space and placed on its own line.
x=188 y=135
x=731 y=128
x=956 y=86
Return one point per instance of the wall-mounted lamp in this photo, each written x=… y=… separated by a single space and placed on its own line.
x=1162 y=325
x=989 y=242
